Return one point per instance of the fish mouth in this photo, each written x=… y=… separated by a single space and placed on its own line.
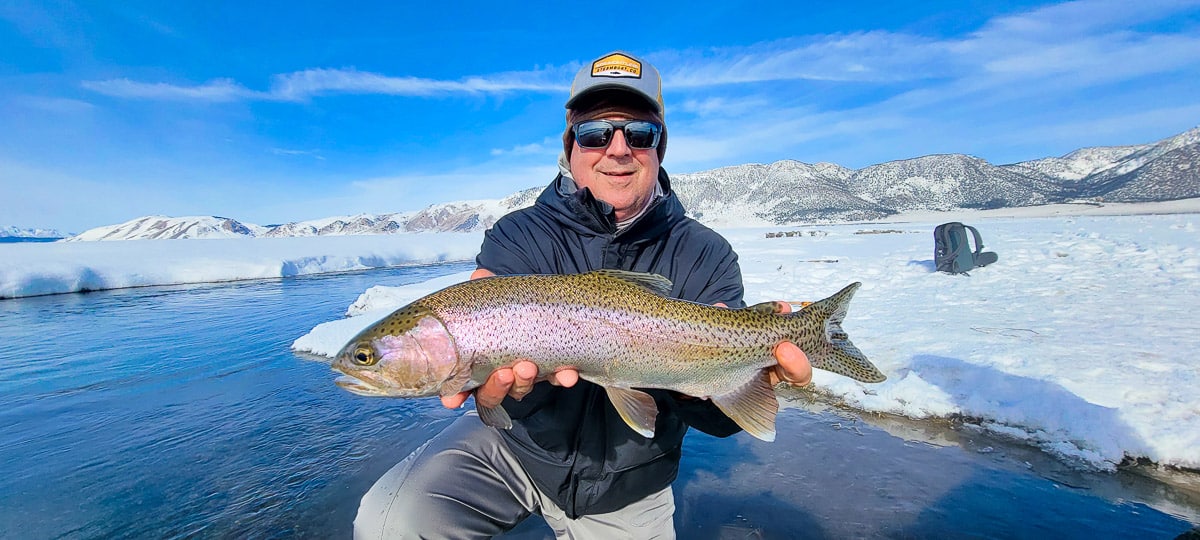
x=359 y=386
x=353 y=383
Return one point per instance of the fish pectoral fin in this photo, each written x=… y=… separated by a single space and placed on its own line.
x=636 y=407
x=753 y=406
x=496 y=416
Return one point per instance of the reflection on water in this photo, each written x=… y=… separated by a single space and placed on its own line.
x=180 y=412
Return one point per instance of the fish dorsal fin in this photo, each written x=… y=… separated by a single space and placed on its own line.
x=636 y=407
x=753 y=406
x=496 y=416
x=654 y=283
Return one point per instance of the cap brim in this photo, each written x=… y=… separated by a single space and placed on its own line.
x=624 y=88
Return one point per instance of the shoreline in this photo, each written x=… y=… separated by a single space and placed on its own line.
x=1140 y=475
x=1080 y=208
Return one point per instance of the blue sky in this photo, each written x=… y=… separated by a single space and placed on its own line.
x=269 y=112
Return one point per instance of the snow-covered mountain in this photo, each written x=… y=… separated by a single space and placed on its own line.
x=10 y=231
x=459 y=216
x=790 y=191
x=782 y=192
x=162 y=227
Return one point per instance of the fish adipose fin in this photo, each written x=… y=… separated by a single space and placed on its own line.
x=636 y=407
x=753 y=406
x=765 y=308
x=496 y=416
x=654 y=283
x=836 y=353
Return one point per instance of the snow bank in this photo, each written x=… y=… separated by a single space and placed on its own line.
x=31 y=269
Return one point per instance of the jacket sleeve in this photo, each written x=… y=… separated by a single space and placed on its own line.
x=505 y=249
x=703 y=415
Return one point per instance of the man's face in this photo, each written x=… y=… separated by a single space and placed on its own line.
x=618 y=175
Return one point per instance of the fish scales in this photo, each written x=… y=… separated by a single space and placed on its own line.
x=618 y=329
x=616 y=332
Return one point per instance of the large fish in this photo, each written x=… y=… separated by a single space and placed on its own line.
x=618 y=329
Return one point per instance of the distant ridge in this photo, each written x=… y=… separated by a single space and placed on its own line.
x=163 y=228
x=789 y=191
x=15 y=232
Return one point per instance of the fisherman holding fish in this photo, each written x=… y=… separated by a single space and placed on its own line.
x=569 y=453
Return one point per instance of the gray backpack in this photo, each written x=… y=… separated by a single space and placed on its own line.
x=952 y=251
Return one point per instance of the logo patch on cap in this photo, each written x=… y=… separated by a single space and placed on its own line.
x=617 y=65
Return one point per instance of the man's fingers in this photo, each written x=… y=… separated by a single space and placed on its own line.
x=524 y=374
x=794 y=367
x=455 y=401
x=492 y=393
x=565 y=378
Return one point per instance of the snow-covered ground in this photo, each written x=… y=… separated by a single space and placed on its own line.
x=1078 y=340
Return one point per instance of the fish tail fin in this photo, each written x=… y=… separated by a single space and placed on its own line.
x=831 y=350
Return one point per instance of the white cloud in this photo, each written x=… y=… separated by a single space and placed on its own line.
x=1078 y=63
x=1074 y=36
x=549 y=146
x=54 y=104
x=286 y=152
x=219 y=90
x=303 y=85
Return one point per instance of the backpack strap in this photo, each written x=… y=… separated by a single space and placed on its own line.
x=978 y=239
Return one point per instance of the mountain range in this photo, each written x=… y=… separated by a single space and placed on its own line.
x=15 y=232
x=788 y=192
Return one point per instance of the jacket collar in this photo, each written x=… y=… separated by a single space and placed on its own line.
x=580 y=210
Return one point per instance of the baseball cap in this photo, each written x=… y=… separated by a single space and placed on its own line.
x=618 y=70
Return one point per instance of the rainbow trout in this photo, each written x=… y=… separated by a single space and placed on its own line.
x=618 y=329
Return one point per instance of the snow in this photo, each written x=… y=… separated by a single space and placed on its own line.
x=1078 y=341
x=30 y=269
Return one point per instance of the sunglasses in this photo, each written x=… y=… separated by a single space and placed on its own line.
x=639 y=134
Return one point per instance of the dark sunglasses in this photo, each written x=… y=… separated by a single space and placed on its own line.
x=639 y=134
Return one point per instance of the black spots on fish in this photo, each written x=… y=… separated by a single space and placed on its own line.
x=403 y=320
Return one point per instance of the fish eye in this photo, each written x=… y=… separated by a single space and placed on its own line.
x=364 y=357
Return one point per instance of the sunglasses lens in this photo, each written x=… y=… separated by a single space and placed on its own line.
x=593 y=134
x=641 y=135
x=598 y=133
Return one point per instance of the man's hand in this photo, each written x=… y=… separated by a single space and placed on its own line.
x=793 y=367
x=515 y=381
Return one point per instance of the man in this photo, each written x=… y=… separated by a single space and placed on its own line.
x=569 y=456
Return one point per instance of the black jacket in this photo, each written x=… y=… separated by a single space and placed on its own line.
x=571 y=441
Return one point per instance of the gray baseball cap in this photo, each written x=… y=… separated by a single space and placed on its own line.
x=618 y=70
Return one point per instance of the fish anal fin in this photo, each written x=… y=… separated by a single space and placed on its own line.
x=653 y=283
x=753 y=406
x=496 y=416
x=636 y=407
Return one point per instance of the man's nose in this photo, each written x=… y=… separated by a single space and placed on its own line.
x=617 y=146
